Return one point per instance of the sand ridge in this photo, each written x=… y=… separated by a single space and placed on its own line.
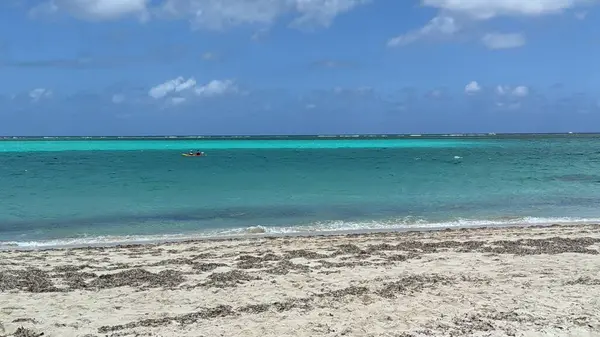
x=536 y=281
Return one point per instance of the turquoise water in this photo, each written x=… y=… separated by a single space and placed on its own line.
x=57 y=192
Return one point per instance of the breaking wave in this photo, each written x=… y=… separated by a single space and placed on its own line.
x=316 y=228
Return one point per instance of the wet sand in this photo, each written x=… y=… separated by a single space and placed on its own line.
x=538 y=281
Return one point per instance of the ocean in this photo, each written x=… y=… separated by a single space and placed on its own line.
x=81 y=191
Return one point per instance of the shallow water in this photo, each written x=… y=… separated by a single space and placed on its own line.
x=85 y=191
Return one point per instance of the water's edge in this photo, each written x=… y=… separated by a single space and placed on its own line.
x=198 y=237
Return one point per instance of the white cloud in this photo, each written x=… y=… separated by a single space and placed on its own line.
x=502 y=90
x=175 y=85
x=454 y=15
x=175 y=90
x=503 y=41
x=322 y=12
x=519 y=91
x=40 y=93
x=216 y=87
x=206 y=14
x=472 y=88
x=222 y=14
x=438 y=26
x=185 y=85
x=487 y=9
x=95 y=9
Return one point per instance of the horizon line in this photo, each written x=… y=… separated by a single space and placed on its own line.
x=345 y=135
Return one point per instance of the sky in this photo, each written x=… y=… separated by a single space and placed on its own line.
x=221 y=67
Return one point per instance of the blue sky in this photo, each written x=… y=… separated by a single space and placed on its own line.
x=114 y=67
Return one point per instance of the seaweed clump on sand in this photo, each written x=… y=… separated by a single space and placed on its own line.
x=285 y=266
x=304 y=303
x=349 y=291
x=203 y=267
x=584 y=280
x=351 y=249
x=70 y=268
x=23 y=332
x=255 y=262
x=77 y=280
x=550 y=246
x=484 y=323
x=30 y=280
x=208 y=313
x=229 y=279
x=137 y=278
x=397 y=257
x=25 y=320
x=294 y=303
x=256 y=308
x=411 y=284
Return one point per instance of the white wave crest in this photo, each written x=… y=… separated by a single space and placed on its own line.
x=320 y=228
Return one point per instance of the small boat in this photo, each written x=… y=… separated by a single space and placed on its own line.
x=196 y=154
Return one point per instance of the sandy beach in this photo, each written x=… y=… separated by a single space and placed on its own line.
x=537 y=281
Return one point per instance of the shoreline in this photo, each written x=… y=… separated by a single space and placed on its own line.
x=509 y=281
x=199 y=237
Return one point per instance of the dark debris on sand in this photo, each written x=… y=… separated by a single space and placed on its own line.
x=229 y=279
x=480 y=322
x=23 y=332
x=37 y=281
x=350 y=291
x=256 y=308
x=584 y=280
x=211 y=313
x=415 y=246
x=204 y=267
x=25 y=320
x=327 y=264
x=397 y=257
x=193 y=261
x=138 y=277
x=294 y=303
x=283 y=267
x=350 y=249
x=77 y=280
x=255 y=262
x=413 y=283
x=70 y=268
x=30 y=280
x=555 y=245
x=408 y=284
x=208 y=313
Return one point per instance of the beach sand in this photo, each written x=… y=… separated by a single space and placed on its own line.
x=536 y=281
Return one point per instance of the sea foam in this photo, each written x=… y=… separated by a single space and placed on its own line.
x=317 y=228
